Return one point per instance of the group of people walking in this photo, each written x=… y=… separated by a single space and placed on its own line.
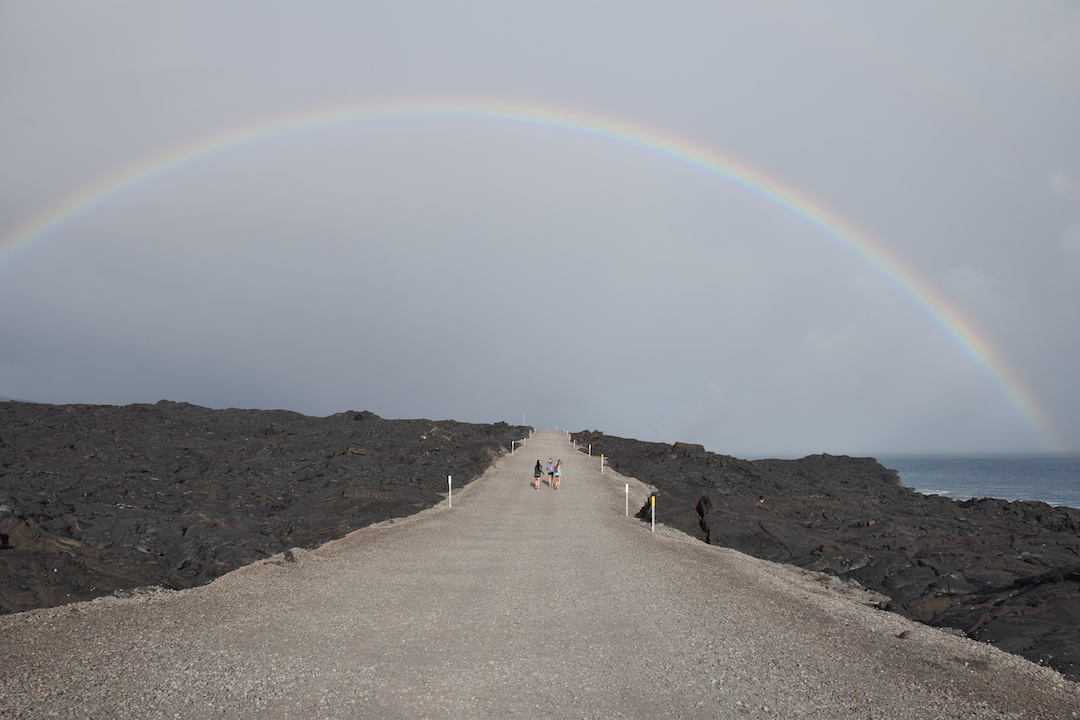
x=554 y=473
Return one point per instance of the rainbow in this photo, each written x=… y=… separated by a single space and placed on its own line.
x=850 y=238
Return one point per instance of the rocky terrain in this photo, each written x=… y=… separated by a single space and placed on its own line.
x=1006 y=573
x=99 y=499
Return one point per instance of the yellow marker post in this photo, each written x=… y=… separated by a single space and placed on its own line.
x=652 y=503
x=601 y=462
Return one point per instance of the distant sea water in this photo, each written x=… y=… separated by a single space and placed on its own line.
x=1053 y=479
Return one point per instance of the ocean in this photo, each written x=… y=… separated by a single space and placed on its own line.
x=1053 y=479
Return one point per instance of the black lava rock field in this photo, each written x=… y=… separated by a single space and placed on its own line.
x=99 y=499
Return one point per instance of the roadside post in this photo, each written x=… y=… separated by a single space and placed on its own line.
x=627 y=499
x=652 y=503
x=601 y=463
x=450 y=489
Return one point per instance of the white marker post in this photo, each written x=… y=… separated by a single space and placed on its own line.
x=601 y=463
x=450 y=489
x=652 y=501
x=590 y=449
x=627 y=499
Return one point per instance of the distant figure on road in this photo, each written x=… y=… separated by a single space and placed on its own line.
x=551 y=473
x=558 y=474
x=538 y=472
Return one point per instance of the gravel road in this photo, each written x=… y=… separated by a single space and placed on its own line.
x=514 y=603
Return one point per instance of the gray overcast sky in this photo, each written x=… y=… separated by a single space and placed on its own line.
x=483 y=269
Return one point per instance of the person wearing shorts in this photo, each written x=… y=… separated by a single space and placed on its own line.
x=558 y=474
x=551 y=474
x=538 y=472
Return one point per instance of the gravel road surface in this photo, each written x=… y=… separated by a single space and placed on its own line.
x=514 y=603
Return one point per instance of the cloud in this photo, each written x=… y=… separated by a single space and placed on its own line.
x=455 y=268
x=974 y=284
x=982 y=295
x=1070 y=242
x=1064 y=187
